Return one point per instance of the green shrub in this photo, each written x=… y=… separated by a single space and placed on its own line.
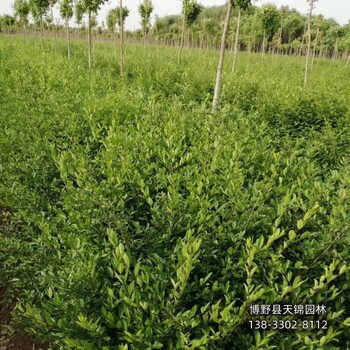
x=140 y=220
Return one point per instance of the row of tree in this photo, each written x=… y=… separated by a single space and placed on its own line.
x=266 y=29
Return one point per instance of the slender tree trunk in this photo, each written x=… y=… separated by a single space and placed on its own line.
x=308 y=43
x=235 y=50
x=335 y=51
x=68 y=37
x=280 y=38
x=314 y=51
x=90 y=41
x=222 y=56
x=320 y=54
x=302 y=39
x=348 y=61
x=35 y=33
x=301 y=47
x=182 y=32
x=144 y=37
x=188 y=38
x=121 y=39
x=53 y=29
x=25 y=31
x=42 y=32
x=263 y=45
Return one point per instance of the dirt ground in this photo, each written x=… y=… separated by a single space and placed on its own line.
x=17 y=341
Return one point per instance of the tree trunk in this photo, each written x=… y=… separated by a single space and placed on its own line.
x=263 y=45
x=68 y=37
x=42 y=32
x=314 y=51
x=280 y=39
x=90 y=41
x=188 y=38
x=303 y=36
x=144 y=37
x=35 y=33
x=348 y=61
x=25 y=31
x=121 y=39
x=53 y=29
x=308 y=43
x=335 y=51
x=235 y=50
x=182 y=32
x=320 y=55
x=222 y=56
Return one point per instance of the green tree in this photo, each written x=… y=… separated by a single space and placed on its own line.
x=194 y=9
x=311 y=7
x=39 y=8
x=335 y=34
x=145 y=11
x=122 y=13
x=318 y=22
x=66 y=10
x=79 y=13
x=283 y=13
x=270 y=19
x=116 y=17
x=222 y=56
x=8 y=22
x=191 y=9
x=52 y=3
x=90 y=7
x=184 y=9
x=112 y=21
x=209 y=29
x=21 y=12
x=242 y=5
x=294 y=24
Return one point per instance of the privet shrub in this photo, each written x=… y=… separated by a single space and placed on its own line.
x=140 y=221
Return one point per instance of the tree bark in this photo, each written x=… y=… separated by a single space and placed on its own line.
x=68 y=37
x=121 y=39
x=314 y=51
x=235 y=50
x=335 y=55
x=222 y=57
x=188 y=38
x=42 y=32
x=144 y=37
x=302 y=40
x=53 y=29
x=309 y=42
x=263 y=46
x=35 y=33
x=25 y=31
x=90 y=41
x=182 y=32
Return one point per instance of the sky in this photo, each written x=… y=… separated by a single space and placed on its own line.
x=338 y=9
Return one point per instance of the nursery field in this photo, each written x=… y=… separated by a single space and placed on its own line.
x=133 y=217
